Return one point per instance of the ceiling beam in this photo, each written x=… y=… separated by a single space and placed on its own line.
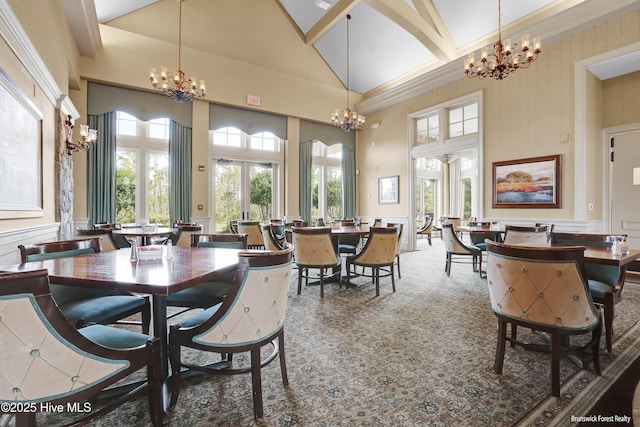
x=337 y=12
x=441 y=45
x=430 y=14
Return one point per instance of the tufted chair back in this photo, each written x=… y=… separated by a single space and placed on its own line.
x=542 y=289
x=522 y=235
x=183 y=236
x=313 y=246
x=45 y=359
x=252 y=230
x=379 y=251
x=250 y=317
x=606 y=282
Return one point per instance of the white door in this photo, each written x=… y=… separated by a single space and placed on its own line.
x=625 y=185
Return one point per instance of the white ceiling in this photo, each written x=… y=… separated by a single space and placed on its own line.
x=392 y=41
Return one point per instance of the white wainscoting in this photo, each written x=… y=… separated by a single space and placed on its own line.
x=10 y=239
x=396 y=220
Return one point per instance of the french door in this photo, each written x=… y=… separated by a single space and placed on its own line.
x=244 y=190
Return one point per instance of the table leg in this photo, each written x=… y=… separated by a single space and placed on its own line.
x=160 y=331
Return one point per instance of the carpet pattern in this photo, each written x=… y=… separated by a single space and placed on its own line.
x=422 y=356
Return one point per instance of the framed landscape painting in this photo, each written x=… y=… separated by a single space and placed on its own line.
x=527 y=183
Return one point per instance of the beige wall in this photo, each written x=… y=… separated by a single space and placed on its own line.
x=621 y=103
x=526 y=115
x=50 y=35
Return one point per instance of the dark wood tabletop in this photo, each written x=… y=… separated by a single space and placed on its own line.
x=351 y=229
x=113 y=270
x=601 y=255
x=144 y=232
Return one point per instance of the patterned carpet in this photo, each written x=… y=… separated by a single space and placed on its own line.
x=422 y=356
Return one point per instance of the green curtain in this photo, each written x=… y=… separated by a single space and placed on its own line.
x=101 y=157
x=348 y=182
x=179 y=172
x=306 y=159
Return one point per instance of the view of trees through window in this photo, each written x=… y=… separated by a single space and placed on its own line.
x=142 y=170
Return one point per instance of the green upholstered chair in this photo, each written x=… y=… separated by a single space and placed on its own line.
x=251 y=317
x=458 y=252
x=314 y=249
x=378 y=252
x=542 y=289
x=84 y=306
x=46 y=360
x=208 y=294
x=606 y=282
x=273 y=237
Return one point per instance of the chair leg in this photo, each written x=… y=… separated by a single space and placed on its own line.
x=176 y=378
x=256 y=382
x=283 y=363
x=447 y=266
x=429 y=237
x=300 y=273
x=555 y=364
x=376 y=274
x=398 y=258
x=321 y=282
x=393 y=282
x=502 y=336
x=608 y=324
x=146 y=317
x=595 y=349
x=514 y=334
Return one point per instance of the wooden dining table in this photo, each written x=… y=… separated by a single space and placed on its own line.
x=158 y=278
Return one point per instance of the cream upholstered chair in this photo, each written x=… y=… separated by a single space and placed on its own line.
x=107 y=240
x=208 y=294
x=542 y=289
x=183 y=236
x=426 y=228
x=252 y=230
x=46 y=360
x=399 y=228
x=606 y=282
x=273 y=237
x=523 y=235
x=457 y=251
x=251 y=317
x=314 y=249
x=84 y=306
x=378 y=252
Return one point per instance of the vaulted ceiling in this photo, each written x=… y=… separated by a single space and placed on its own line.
x=390 y=41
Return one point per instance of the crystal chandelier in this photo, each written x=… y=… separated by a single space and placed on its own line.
x=347 y=120
x=504 y=60
x=177 y=87
x=88 y=137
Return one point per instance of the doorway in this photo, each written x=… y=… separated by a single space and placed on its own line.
x=624 y=184
x=243 y=190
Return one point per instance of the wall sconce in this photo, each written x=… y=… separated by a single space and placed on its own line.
x=87 y=137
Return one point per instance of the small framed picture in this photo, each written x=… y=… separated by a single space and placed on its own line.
x=388 y=189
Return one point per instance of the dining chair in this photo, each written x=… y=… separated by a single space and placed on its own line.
x=320 y=222
x=399 y=228
x=458 y=252
x=478 y=238
x=120 y=241
x=183 y=236
x=46 y=361
x=550 y=228
x=426 y=228
x=233 y=225
x=250 y=318
x=84 y=306
x=314 y=249
x=273 y=237
x=378 y=252
x=107 y=241
x=252 y=229
x=525 y=235
x=542 y=288
x=208 y=294
x=606 y=282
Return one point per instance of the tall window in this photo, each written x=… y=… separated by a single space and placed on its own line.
x=142 y=170
x=427 y=188
x=247 y=175
x=326 y=181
